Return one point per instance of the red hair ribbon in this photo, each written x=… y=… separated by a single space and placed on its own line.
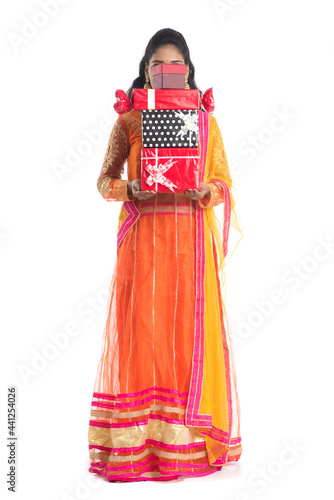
x=208 y=101
x=123 y=103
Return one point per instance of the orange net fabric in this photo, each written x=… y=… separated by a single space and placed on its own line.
x=165 y=401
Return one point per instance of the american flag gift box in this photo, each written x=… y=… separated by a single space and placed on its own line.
x=170 y=153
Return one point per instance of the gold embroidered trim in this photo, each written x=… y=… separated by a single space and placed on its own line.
x=138 y=434
x=113 y=189
x=148 y=451
x=132 y=120
x=103 y=186
x=181 y=209
x=120 y=189
x=110 y=183
x=118 y=147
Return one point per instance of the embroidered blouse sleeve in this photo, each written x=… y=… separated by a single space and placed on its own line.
x=110 y=183
x=218 y=169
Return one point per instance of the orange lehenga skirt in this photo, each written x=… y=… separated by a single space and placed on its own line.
x=165 y=402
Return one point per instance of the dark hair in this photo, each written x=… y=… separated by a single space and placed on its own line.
x=165 y=36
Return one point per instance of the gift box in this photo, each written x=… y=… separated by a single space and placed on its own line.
x=142 y=99
x=169 y=169
x=169 y=76
x=170 y=128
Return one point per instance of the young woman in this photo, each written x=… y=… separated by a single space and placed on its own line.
x=165 y=402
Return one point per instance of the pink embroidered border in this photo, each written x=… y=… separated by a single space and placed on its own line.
x=101 y=395
x=133 y=212
x=196 y=383
x=172 y=447
x=168 y=474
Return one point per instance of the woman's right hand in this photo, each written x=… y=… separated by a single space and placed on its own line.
x=134 y=188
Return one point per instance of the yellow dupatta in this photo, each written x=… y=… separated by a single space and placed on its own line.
x=218 y=393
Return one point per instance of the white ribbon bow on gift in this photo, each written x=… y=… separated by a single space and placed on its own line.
x=190 y=124
x=157 y=176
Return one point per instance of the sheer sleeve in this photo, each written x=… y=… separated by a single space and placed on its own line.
x=218 y=169
x=110 y=183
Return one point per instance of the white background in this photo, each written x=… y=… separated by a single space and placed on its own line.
x=58 y=235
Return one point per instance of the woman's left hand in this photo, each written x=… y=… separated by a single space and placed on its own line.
x=195 y=194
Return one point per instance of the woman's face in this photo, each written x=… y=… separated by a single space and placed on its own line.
x=168 y=54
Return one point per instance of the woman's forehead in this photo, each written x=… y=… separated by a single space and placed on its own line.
x=169 y=52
